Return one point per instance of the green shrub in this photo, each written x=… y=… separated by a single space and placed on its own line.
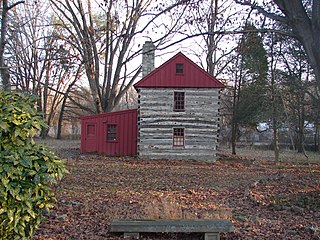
x=27 y=169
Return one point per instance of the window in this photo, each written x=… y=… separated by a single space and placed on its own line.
x=91 y=129
x=111 y=132
x=179 y=68
x=178 y=137
x=178 y=101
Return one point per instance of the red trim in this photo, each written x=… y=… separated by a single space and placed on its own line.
x=178 y=137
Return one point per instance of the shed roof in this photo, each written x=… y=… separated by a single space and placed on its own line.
x=165 y=76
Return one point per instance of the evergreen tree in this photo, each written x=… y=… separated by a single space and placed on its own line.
x=254 y=65
x=250 y=82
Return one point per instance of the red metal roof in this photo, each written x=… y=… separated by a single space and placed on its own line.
x=166 y=76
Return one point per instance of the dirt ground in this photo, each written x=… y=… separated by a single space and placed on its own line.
x=262 y=200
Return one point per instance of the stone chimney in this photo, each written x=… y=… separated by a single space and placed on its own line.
x=148 y=50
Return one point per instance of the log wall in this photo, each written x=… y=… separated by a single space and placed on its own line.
x=200 y=120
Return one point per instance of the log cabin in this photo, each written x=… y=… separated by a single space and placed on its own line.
x=177 y=115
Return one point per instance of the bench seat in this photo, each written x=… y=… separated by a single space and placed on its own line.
x=210 y=227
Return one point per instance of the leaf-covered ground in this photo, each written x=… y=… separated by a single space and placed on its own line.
x=262 y=200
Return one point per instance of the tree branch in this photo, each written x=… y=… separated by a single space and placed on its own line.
x=263 y=11
x=15 y=4
x=229 y=33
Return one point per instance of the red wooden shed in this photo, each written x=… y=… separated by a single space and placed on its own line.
x=113 y=133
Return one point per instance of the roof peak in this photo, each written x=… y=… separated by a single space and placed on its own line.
x=166 y=75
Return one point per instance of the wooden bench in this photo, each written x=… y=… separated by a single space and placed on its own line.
x=210 y=227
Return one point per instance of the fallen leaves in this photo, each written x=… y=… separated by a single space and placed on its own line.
x=262 y=201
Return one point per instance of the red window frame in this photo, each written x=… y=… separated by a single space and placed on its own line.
x=178 y=137
x=111 y=132
x=179 y=101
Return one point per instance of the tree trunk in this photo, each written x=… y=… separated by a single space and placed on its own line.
x=316 y=138
x=236 y=99
x=274 y=106
x=300 y=134
x=233 y=136
x=275 y=126
x=276 y=141
x=4 y=71
x=287 y=119
x=301 y=118
x=210 y=41
x=3 y=68
x=305 y=27
x=318 y=131
x=63 y=104
x=234 y=124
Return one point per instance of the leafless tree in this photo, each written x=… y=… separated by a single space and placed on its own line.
x=106 y=41
x=40 y=64
x=216 y=21
x=4 y=72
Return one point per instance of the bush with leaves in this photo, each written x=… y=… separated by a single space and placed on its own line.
x=27 y=169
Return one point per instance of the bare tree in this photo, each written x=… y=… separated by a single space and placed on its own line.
x=6 y=7
x=40 y=64
x=215 y=20
x=106 y=39
x=65 y=98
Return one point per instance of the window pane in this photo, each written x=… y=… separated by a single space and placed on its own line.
x=179 y=68
x=178 y=137
x=179 y=101
x=111 y=132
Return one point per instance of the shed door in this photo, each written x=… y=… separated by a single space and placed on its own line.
x=91 y=138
